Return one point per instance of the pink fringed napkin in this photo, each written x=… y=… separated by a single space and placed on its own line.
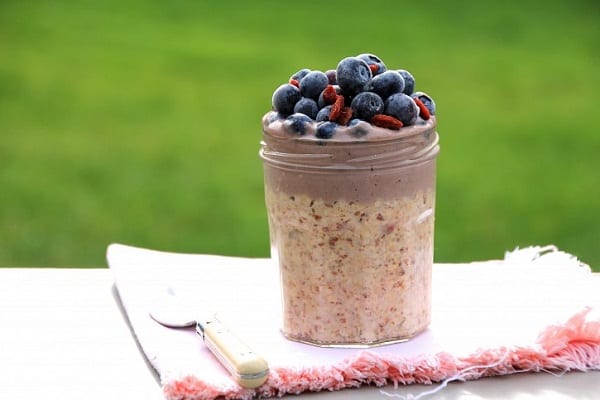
x=536 y=310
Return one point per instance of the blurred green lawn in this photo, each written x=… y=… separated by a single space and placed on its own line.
x=138 y=121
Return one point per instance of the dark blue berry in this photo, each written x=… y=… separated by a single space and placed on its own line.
x=300 y=74
x=372 y=59
x=426 y=100
x=369 y=58
x=332 y=76
x=313 y=84
x=285 y=98
x=325 y=130
x=352 y=75
x=323 y=114
x=307 y=107
x=297 y=123
x=366 y=104
x=402 y=107
x=409 y=82
x=274 y=116
x=386 y=84
x=359 y=127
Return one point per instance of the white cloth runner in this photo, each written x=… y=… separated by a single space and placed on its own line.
x=538 y=309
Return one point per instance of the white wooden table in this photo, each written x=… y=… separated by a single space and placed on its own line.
x=64 y=336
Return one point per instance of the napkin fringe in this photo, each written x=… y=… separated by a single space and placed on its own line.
x=572 y=346
x=544 y=256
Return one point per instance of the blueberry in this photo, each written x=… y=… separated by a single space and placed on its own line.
x=297 y=123
x=352 y=75
x=409 y=82
x=360 y=127
x=332 y=76
x=325 y=130
x=313 y=84
x=372 y=59
x=285 y=98
x=426 y=100
x=307 y=107
x=300 y=74
x=274 y=116
x=386 y=84
x=366 y=104
x=402 y=107
x=323 y=114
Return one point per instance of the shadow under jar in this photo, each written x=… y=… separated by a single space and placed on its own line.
x=351 y=222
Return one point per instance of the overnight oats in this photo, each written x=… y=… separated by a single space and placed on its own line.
x=349 y=162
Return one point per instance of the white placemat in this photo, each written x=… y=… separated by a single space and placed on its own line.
x=536 y=310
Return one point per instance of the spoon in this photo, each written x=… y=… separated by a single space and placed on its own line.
x=247 y=368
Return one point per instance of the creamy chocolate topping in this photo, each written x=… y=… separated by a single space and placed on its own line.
x=360 y=163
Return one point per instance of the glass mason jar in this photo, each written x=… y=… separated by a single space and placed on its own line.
x=351 y=225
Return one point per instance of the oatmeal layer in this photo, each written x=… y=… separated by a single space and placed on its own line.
x=354 y=272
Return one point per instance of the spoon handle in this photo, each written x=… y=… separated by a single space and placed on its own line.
x=248 y=368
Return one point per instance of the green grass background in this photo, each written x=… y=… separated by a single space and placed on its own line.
x=138 y=121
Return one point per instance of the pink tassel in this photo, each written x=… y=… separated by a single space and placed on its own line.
x=576 y=330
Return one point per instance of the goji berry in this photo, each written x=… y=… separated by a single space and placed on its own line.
x=336 y=108
x=386 y=121
x=329 y=94
x=345 y=116
x=423 y=111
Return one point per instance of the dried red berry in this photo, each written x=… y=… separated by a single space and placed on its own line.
x=423 y=111
x=329 y=94
x=295 y=83
x=336 y=108
x=345 y=116
x=386 y=121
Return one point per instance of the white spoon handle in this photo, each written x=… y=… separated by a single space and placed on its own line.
x=247 y=368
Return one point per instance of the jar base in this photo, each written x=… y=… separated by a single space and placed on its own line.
x=352 y=345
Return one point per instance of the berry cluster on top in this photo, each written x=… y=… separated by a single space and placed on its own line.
x=360 y=89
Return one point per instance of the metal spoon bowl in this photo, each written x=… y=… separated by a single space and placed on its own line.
x=171 y=312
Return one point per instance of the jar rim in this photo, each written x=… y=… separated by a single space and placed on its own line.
x=349 y=155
